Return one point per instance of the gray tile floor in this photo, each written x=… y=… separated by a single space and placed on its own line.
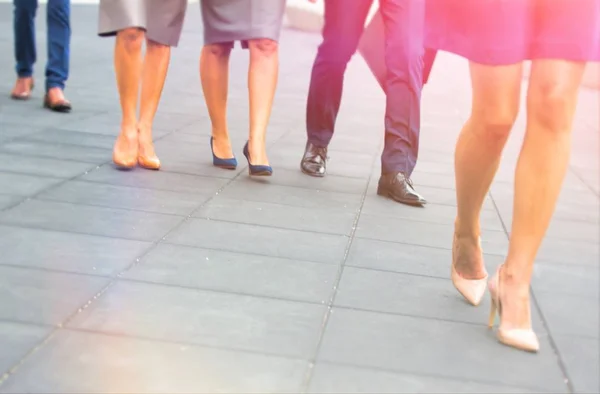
x=195 y=279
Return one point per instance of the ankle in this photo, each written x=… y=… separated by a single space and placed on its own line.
x=514 y=282
x=467 y=231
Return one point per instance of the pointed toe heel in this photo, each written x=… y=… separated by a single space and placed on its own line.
x=256 y=170
x=227 y=164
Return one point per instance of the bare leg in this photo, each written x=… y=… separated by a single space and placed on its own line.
x=128 y=65
x=541 y=169
x=214 y=75
x=262 y=82
x=156 y=63
x=496 y=91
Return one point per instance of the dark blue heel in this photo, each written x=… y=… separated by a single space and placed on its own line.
x=228 y=164
x=258 y=170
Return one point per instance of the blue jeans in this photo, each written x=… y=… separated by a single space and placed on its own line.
x=404 y=49
x=59 y=35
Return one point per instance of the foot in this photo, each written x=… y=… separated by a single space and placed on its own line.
x=146 y=155
x=22 y=89
x=55 y=100
x=514 y=298
x=221 y=145
x=314 y=161
x=510 y=298
x=125 y=151
x=467 y=257
x=258 y=153
x=399 y=188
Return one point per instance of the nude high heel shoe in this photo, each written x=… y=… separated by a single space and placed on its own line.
x=124 y=156
x=472 y=290
x=149 y=162
x=519 y=338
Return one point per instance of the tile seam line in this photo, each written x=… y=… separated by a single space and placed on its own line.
x=561 y=364
x=15 y=367
x=309 y=373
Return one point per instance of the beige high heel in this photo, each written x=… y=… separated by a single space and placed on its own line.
x=519 y=338
x=472 y=290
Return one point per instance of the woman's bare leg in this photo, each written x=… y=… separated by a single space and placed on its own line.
x=214 y=75
x=496 y=93
x=541 y=168
x=262 y=82
x=156 y=64
x=128 y=65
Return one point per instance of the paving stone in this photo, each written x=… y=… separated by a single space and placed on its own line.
x=25 y=185
x=434 y=213
x=413 y=232
x=582 y=361
x=23 y=247
x=183 y=183
x=55 y=150
x=293 y=196
x=570 y=315
x=562 y=251
x=139 y=366
x=43 y=167
x=236 y=273
x=70 y=137
x=19 y=130
x=35 y=296
x=331 y=378
x=268 y=241
x=7 y=201
x=151 y=311
x=191 y=159
x=329 y=183
x=16 y=340
x=51 y=215
x=570 y=279
x=336 y=221
x=405 y=258
x=113 y=196
x=444 y=349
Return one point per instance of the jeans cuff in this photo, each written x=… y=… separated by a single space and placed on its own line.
x=53 y=84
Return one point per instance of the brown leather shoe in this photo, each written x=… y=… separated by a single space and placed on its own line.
x=22 y=89
x=399 y=188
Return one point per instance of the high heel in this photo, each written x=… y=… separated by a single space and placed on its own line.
x=472 y=290
x=522 y=339
x=149 y=162
x=256 y=170
x=123 y=159
x=228 y=164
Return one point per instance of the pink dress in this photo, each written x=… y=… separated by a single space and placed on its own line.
x=500 y=32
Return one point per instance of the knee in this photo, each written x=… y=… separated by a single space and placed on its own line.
x=263 y=47
x=551 y=106
x=217 y=50
x=494 y=122
x=132 y=38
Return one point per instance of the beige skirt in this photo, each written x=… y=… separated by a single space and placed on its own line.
x=161 y=19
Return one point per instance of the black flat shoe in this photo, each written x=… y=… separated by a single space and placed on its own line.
x=314 y=161
x=62 y=106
